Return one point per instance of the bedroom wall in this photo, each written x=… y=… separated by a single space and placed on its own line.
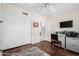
x=53 y=23
x=73 y=15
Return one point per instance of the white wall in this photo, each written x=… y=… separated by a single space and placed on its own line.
x=16 y=27
x=50 y=27
x=73 y=15
x=53 y=23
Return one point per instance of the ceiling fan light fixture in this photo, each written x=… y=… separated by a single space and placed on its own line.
x=48 y=7
x=24 y=13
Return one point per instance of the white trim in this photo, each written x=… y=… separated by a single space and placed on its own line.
x=0 y=52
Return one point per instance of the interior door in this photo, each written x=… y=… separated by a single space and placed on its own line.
x=36 y=31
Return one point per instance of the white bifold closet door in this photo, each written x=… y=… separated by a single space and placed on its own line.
x=0 y=24
x=16 y=27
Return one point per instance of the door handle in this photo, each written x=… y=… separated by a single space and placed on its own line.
x=40 y=33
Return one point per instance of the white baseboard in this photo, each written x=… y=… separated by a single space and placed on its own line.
x=48 y=40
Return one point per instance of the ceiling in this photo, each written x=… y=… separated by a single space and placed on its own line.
x=59 y=8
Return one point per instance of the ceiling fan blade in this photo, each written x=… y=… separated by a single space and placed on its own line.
x=43 y=9
x=51 y=8
x=47 y=9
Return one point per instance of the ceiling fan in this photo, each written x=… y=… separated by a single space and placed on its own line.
x=49 y=7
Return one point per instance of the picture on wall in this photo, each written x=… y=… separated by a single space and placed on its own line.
x=35 y=24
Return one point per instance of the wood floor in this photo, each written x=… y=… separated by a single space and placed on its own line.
x=45 y=46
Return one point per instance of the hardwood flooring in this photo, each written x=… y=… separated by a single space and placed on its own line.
x=45 y=46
